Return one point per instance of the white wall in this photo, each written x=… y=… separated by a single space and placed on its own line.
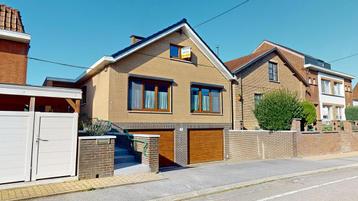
x=331 y=99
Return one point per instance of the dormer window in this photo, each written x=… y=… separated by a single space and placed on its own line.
x=180 y=52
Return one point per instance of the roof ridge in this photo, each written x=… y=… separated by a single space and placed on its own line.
x=145 y=39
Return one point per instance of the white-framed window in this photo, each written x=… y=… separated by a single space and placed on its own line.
x=326 y=112
x=337 y=89
x=339 y=112
x=326 y=86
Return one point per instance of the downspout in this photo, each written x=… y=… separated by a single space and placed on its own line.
x=232 y=106
x=242 y=101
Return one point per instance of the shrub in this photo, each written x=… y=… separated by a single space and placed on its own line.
x=309 y=113
x=96 y=127
x=352 y=113
x=277 y=109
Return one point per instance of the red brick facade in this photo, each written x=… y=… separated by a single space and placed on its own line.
x=13 y=62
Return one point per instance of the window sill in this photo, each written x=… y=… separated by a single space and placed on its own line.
x=333 y=95
x=207 y=113
x=181 y=60
x=148 y=112
x=273 y=81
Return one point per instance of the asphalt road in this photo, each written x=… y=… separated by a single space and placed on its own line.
x=339 y=185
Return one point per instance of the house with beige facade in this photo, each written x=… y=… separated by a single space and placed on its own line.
x=257 y=74
x=170 y=84
x=329 y=90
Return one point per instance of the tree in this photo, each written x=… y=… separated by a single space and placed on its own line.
x=309 y=113
x=277 y=109
x=352 y=113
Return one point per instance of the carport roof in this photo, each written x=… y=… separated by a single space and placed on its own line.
x=40 y=91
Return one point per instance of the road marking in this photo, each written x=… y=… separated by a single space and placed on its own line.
x=308 y=188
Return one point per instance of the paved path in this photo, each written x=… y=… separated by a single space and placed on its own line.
x=339 y=185
x=34 y=191
x=205 y=176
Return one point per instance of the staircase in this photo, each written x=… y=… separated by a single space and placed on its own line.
x=125 y=163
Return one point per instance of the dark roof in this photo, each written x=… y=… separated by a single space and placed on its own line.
x=242 y=63
x=308 y=58
x=10 y=19
x=145 y=39
x=238 y=63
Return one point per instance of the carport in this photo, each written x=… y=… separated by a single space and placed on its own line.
x=38 y=132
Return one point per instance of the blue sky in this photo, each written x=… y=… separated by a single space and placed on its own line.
x=80 y=32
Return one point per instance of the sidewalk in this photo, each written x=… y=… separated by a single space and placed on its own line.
x=43 y=190
x=199 y=178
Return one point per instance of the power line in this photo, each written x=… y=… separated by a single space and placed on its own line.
x=342 y=58
x=221 y=14
x=58 y=63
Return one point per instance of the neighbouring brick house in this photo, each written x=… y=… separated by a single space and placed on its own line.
x=170 y=84
x=329 y=90
x=14 y=46
x=257 y=74
x=355 y=95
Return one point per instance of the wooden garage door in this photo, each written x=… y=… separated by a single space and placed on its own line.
x=166 y=145
x=205 y=145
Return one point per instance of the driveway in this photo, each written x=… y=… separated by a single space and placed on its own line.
x=205 y=176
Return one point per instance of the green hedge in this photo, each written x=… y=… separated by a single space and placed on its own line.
x=277 y=109
x=352 y=113
x=309 y=113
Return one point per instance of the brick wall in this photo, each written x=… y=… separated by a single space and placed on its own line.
x=253 y=145
x=95 y=157
x=151 y=155
x=13 y=62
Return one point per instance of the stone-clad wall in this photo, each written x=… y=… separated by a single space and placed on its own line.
x=95 y=157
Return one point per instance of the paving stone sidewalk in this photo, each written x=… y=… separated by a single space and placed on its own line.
x=42 y=190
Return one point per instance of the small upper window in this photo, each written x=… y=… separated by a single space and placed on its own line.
x=273 y=72
x=174 y=51
x=309 y=80
x=180 y=52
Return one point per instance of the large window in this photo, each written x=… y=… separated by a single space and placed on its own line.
x=326 y=86
x=205 y=99
x=273 y=74
x=151 y=95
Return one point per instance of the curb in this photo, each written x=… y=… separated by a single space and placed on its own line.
x=220 y=189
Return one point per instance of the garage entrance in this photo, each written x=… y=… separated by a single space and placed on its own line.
x=166 y=145
x=205 y=145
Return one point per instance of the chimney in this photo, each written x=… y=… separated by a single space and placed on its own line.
x=135 y=39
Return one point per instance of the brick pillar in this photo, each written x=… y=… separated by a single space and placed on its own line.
x=347 y=125
x=95 y=156
x=150 y=155
x=319 y=126
x=296 y=125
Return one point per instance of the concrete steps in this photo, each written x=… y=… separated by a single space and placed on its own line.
x=125 y=163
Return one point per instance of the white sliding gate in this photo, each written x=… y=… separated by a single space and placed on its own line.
x=35 y=145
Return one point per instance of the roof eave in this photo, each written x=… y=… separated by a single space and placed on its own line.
x=15 y=36
x=329 y=71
